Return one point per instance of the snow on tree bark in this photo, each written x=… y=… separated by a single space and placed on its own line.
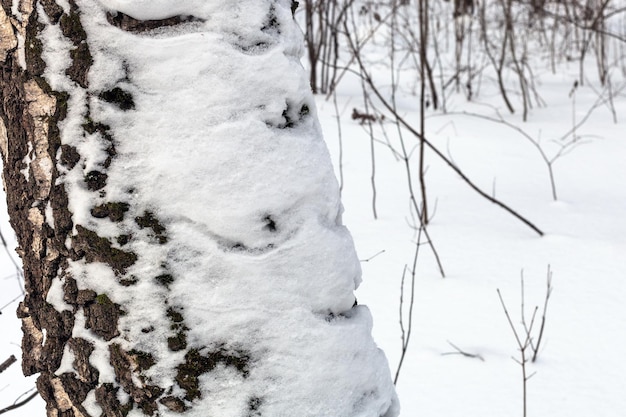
x=177 y=215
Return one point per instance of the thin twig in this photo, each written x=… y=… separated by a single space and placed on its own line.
x=21 y=403
x=10 y=302
x=543 y=316
x=5 y=365
x=406 y=333
x=459 y=351
x=373 y=256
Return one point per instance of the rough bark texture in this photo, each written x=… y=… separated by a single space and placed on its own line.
x=30 y=144
x=38 y=207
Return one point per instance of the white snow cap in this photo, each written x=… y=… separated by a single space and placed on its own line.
x=218 y=143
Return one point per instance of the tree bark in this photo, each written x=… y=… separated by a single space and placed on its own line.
x=95 y=353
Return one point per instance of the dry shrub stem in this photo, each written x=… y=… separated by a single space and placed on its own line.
x=405 y=330
x=528 y=348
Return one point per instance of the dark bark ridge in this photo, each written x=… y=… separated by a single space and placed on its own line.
x=130 y=24
x=31 y=112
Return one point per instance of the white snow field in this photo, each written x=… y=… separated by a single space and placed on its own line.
x=580 y=370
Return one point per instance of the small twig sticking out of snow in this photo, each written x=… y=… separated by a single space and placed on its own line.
x=535 y=347
x=406 y=330
x=373 y=256
x=522 y=346
x=459 y=351
x=528 y=349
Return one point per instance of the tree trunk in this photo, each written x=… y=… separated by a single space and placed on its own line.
x=177 y=216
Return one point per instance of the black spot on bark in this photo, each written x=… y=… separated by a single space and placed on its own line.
x=82 y=350
x=96 y=180
x=58 y=326
x=270 y=224
x=102 y=317
x=62 y=217
x=174 y=316
x=61 y=109
x=114 y=211
x=69 y=156
x=148 y=220
x=254 y=404
x=70 y=290
x=84 y=297
x=33 y=46
x=293 y=116
x=122 y=239
x=294 y=7
x=81 y=62
x=130 y=24
x=164 y=279
x=123 y=99
x=92 y=127
x=144 y=395
x=177 y=342
x=98 y=249
x=72 y=28
x=197 y=364
x=106 y=396
x=174 y=404
x=53 y=10
x=76 y=389
x=271 y=24
x=104 y=130
x=144 y=360
x=128 y=281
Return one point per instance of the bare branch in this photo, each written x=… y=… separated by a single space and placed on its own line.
x=5 y=365
x=459 y=351
x=20 y=403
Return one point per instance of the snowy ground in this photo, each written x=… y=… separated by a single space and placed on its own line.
x=580 y=370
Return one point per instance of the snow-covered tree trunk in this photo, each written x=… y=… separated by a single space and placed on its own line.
x=177 y=215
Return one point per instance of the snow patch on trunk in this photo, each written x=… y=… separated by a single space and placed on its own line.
x=202 y=163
